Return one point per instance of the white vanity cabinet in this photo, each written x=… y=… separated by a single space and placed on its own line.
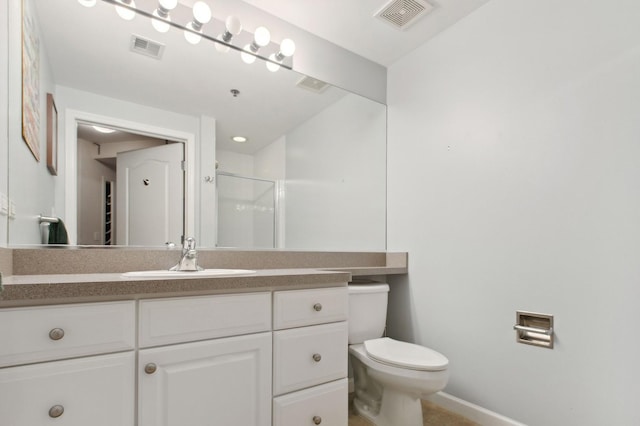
x=310 y=341
x=69 y=378
x=243 y=359
x=216 y=380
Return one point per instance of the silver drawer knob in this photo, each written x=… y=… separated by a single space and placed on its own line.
x=56 y=411
x=317 y=420
x=317 y=307
x=150 y=368
x=317 y=357
x=56 y=334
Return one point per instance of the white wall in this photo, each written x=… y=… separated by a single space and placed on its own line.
x=270 y=163
x=33 y=188
x=4 y=131
x=514 y=182
x=330 y=158
x=234 y=162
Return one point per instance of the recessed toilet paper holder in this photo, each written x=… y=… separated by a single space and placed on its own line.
x=534 y=329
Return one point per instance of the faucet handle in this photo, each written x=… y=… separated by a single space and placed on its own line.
x=189 y=243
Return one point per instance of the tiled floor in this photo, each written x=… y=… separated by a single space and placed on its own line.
x=433 y=415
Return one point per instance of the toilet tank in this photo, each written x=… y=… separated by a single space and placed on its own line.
x=367 y=311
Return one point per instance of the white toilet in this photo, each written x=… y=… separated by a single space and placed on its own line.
x=390 y=376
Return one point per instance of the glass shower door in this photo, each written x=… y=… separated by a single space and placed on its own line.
x=246 y=211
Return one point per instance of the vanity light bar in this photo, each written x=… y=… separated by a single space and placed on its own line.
x=193 y=31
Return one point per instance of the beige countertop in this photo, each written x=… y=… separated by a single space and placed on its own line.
x=21 y=290
x=49 y=276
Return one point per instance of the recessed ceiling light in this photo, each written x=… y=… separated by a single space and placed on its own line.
x=239 y=139
x=103 y=129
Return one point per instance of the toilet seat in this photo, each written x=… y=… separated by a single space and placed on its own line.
x=405 y=355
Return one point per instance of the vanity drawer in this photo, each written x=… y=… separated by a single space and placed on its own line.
x=187 y=319
x=297 y=308
x=62 y=331
x=324 y=404
x=96 y=391
x=308 y=356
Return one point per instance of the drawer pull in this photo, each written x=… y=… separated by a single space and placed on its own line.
x=150 y=368
x=56 y=334
x=56 y=411
x=317 y=358
x=317 y=420
x=317 y=307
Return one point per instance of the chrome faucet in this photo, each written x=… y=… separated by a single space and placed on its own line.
x=189 y=259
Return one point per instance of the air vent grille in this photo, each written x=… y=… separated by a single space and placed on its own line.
x=403 y=13
x=312 y=84
x=146 y=47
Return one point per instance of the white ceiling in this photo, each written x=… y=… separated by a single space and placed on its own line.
x=350 y=23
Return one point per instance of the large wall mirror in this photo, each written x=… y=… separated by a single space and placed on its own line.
x=310 y=173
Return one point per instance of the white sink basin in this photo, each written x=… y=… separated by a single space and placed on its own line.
x=187 y=274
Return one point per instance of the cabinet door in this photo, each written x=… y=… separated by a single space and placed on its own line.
x=96 y=391
x=209 y=383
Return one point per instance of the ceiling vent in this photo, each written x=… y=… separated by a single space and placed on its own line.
x=312 y=84
x=146 y=47
x=403 y=13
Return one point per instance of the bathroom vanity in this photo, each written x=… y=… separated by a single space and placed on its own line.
x=263 y=355
x=82 y=344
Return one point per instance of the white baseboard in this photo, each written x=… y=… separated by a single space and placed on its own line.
x=471 y=411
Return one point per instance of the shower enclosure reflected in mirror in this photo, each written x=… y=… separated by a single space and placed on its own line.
x=247 y=211
x=324 y=150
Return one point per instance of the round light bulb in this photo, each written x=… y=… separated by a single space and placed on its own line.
x=287 y=47
x=270 y=65
x=247 y=58
x=233 y=25
x=87 y=3
x=191 y=37
x=159 y=23
x=168 y=4
x=202 y=12
x=262 y=36
x=239 y=139
x=124 y=13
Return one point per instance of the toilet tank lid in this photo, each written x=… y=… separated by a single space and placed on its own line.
x=406 y=355
x=368 y=288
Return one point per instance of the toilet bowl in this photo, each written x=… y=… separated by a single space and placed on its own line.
x=390 y=377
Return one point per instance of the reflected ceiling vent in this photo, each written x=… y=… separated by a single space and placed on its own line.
x=146 y=47
x=312 y=84
x=403 y=13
